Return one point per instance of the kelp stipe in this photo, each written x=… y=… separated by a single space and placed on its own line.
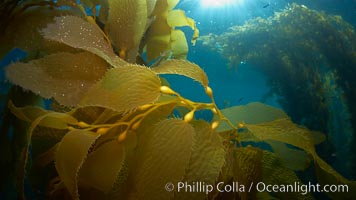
x=112 y=125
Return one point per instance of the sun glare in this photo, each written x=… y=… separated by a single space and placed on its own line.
x=218 y=3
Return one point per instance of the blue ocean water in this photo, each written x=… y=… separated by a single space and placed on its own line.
x=244 y=84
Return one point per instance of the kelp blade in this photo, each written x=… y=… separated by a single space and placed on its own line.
x=125 y=88
x=63 y=76
x=174 y=137
x=70 y=156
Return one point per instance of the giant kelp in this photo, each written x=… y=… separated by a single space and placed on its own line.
x=110 y=131
x=309 y=59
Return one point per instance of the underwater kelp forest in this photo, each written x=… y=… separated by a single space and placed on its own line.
x=90 y=111
x=309 y=58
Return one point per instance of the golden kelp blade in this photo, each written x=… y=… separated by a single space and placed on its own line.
x=126 y=24
x=283 y=130
x=162 y=35
x=251 y=113
x=71 y=154
x=247 y=169
x=206 y=161
x=52 y=119
x=64 y=76
x=275 y=173
x=150 y=6
x=207 y=156
x=78 y=33
x=157 y=115
x=171 y=3
x=183 y=67
x=124 y=88
x=158 y=38
x=123 y=190
x=163 y=5
x=177 y=18
x=257 y=113
x=27 y=113
x=101 y=168
x=179 y=44
x=23 y=31
x=327 y=175
x=163 y=154
x=92 y=114
x=293 y=158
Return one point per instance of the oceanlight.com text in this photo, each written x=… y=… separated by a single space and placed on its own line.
x=301 y=188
